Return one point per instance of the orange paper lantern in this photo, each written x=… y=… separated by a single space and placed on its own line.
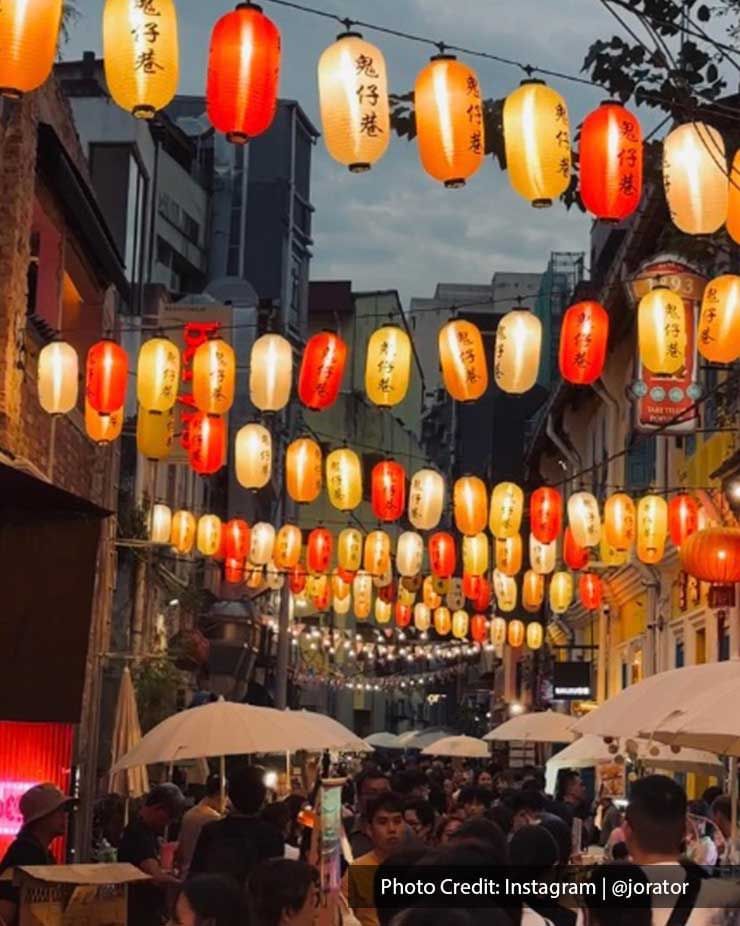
x=470 y=505
x=29 y=34
x=575 y=556
x=515 y=634
x=106 y=377
x=206 y=443
x=319 y=550
x=237 y=539
x=463 y=360
x=611 y=162
x=713 y=555
x=478 y=628
x=590 y=591
x=303 y=466
x=583 y=337
x=620 y=521
x=683 y=517
x=388 y=490
x=546 y=514
x=322 y=368
x=718 y=332
x=442 y=554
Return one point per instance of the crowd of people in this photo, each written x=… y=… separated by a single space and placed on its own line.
x=241 y=857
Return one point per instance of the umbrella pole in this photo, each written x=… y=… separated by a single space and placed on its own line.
x=287 y=771
x=733 y=804
x=222 y=776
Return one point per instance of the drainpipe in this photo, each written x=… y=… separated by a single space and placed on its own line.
x=607 y=398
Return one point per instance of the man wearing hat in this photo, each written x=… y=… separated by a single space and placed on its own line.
x=44 y=809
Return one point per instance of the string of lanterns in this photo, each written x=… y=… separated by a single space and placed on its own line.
x=141 y=59
x=375 y=683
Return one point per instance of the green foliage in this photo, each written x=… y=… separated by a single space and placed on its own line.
x=156 y=682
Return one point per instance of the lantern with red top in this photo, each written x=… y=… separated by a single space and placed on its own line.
x=388 y=494
x=546 y=514
x=319 y=550
x=106 y=377
x=590 y=591
x=575 y=556
x=683 y=517
x=322 y=368
x=611 y=162
x=583 y=338
x=206 y=443
x=442 y=554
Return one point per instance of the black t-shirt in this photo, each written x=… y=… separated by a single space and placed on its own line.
x=235 y=845
x=24 y=850
x=146 y=902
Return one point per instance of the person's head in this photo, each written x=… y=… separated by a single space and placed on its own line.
x=533 y=848
x=420 y=817
x=484 y=779
x=385 y=823
x=722 y=814
x=283 y=892
x=526 y=807
x=247 y=789
x=561 y=833
x=474 y=802
x=446 y=829
x=620 y=852
x=213 y=791
x=655 y=821
x=479 y=829
x=405 y=857
x=603 y=906
x=278 y=814
x=163 y=805
x=501 y=816
x=370 y=784
x=571 y=788
x=710 y=793
x=208 y=900
x=45 y=809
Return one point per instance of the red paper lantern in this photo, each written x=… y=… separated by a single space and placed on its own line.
x=297 y=579
x=243 y=73
x=484 y=597
x=713 y=555
x=319 y=550
x=611 y=162
x=322 y=369
x=346 y=575
x=388 y=494
x=321 y=596
x=472 y=586
x=478 y=628
x=442 y=554
x=683 y=517
x=233 y=570
x=583 y=338
x=237 y=538
x=106 y=376
x=402 y=614
x=590 y=591
x=575 y=556
x=206 y=443
x=546 y=514
x=388 y=593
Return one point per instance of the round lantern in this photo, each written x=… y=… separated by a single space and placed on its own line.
x=533 y=591
x=432 y=599
x=303 y=470
x=561 y=592
x=535 y=635
x=29 y=34
x=482 y=600
x=449 y=120
x=208 y=537
x=584 y=519
x=58 y=375
x=463 y=360
x=516 y=355
x=243 y=73
x=344 y=479
x=297 y=579
x=388 y=366
x=160 y=523
x=718 y=333
x=478 y=628
x=442 y=554
x=507 y=507
x=455 y=597
x=214 y=372
x=270 y=373
x=442 y=621
x=506 y=591
x=583 y=338
x=141 y=54
x=619 y=521
x=422 y=617
x=652 y=528
x=546 y=514
x=319 y=549
x=103 y=429
x=362 y=595
x=388 y=490
x=353 y=99
x=262 y=544
x=713 y=555
x=661 y=331
x=574 y=555
x=515 y=634
x=106 y=376
x=237 y=539
x=383 y=611
x=509 y=555
x=426 y=499
x=695 y=178
x=610 y=158
x=206 y=443
x=154 y=433
x=409 y=554
x=498 y=631
x=460 y=624
x=288 y=543
x=377 y=557
x=322 y=368
x=590 y=591
x=475 y=554
x=402 y=614
x=470 y=505
x=733 y=208
x=542 y=556
x=537 y=141
x=182 y=537
x=233 y=571
x=349 y=549
x=683 y=517
x=253 y=456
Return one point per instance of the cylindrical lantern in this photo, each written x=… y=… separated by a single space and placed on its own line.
x=478 y=628
x=243 y=73
x=402 y=614
x=460 y=624
x=426 y=499
x=516 y=355
x=535 y=635
x=388 y=366
x=482 y=600
x=160 y=523
x=515 y=634
x=733 y=209
x=377 y=558
x=422 y=617
x=610 y=160
x=718 y=332
x=340 y=588
x=58 y=374
x=237 y=539
x=590 y=591
x=610 y=555
x=321 y=593
x=29 y=34
x=652 y=528
x=341 y=606
x=498 y=631
x=262 y=544
x=206 y=443
x=388 y=490
x=561 y=592
x=208 y=537
x=442 y=621
x=254 y=576
x=695 y=178
x=463 y=360
x=509 y=555
x=141 y=54
x=619 y=521
x=533 y=591
x=303 y=470
x=542 y=556
x=409 y=554
x=683 y=517
x=273 y=578
x=297 y=579
x=253 y=456
x=713 y=555
x=103 y=429
x=455 y=598
x=344 y=479
x=506 y=591
x=507 y=507
x=406 y=595
x=182 y=537
x=584 y=519
x=432 y=598
x=155 y=432
x=349 y=549
x=322 y=368
x=288 y=543
x=449 y=120
x=546 y=514
x=661 y=331
x=383 y=611
x=470 y=505
x=106 y=377
x=319 y=548
x=442 y=554
x=270 y=373
x=583 y=338
x=353 y=99
x=537 y=141
x=472 y=585
x=233 y=571
x=214 y=373
x=362 y=595
x=574 y=555
x=475 y=554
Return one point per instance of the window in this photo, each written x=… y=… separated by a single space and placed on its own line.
x=679 y=659
x=640 y=466
x=33 y=273
x=190 y=227
x=701 y=646
x=723 y=638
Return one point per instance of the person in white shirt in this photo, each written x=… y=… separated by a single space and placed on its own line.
x=206 y=811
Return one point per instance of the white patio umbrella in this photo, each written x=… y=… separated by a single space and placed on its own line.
x=539 y=727
x=133 y=781
x=331 y=733
x=418 y=739
x=463 y=747
x=383 y=741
